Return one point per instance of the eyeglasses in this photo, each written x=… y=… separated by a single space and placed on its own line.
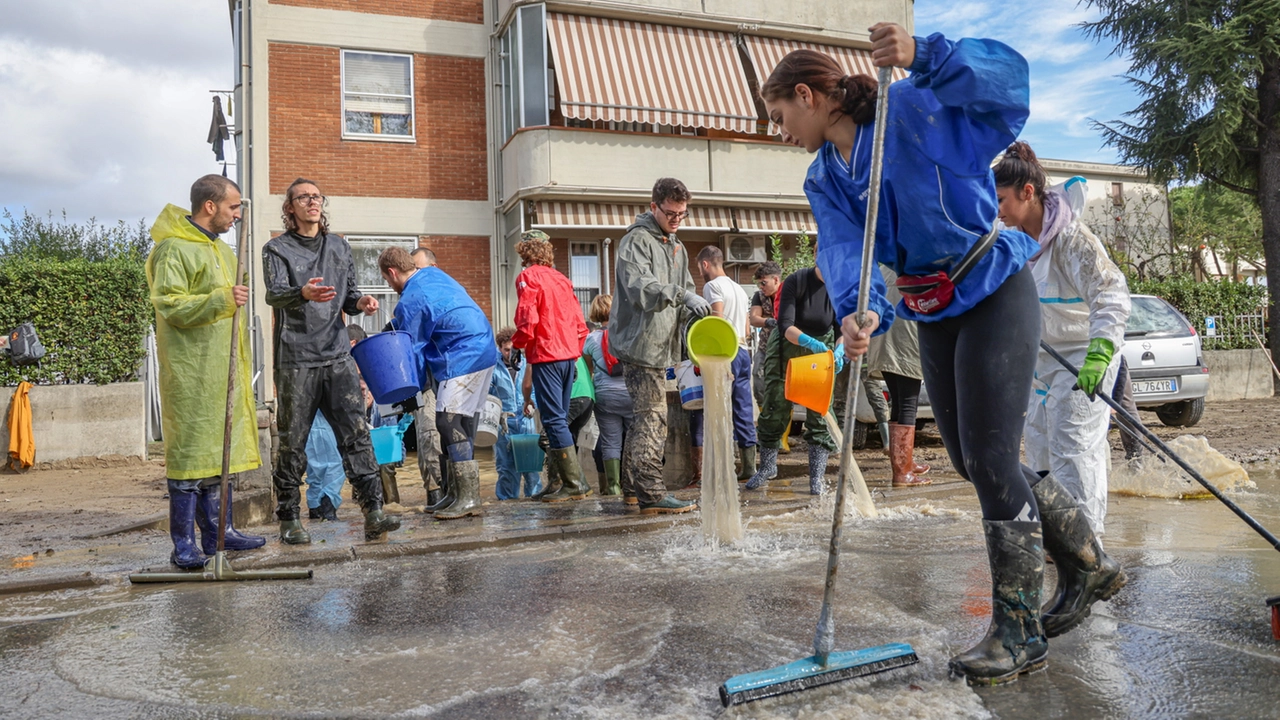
x=674 y=216
x=310 y=199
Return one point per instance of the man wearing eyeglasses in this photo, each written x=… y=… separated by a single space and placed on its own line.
x=653 y=286
x=311 y=281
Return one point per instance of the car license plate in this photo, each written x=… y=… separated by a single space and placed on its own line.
x=1146 y=387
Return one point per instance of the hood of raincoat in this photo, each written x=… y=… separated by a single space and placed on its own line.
x=652 y=279
x=1063 y=204
x=190 y=277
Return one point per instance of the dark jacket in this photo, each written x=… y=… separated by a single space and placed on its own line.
x=653 y=277
x=305 y=333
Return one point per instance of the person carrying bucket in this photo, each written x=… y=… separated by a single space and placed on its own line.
x=1084 y=307
x=614 y=410
x=653 y=285
x=193 y=288
x=964 y=279
x=311 y=281
x=550 y=330
x=511 y=421
x=451 y=338
x=729 y=301
x=806 y=325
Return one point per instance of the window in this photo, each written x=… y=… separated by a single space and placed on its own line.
x=365 y=251
x=377 y=96
x=1117 y=194
x=584 y=271
x=525 y=73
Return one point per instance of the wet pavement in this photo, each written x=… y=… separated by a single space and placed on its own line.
x=648 y=625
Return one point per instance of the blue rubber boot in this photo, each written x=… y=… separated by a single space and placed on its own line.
x=209 y=504
x=182 y=527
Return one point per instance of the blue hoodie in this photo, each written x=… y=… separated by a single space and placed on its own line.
x=963 y=104
x=451 y=335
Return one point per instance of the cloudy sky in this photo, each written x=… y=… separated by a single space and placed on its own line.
x=105 y=105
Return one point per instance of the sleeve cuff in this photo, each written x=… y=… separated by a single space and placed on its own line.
x=924 y=54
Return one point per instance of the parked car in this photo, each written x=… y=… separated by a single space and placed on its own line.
x=1166 y=365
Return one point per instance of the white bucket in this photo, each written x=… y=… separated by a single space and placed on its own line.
x=490 y=416
x=690 y=383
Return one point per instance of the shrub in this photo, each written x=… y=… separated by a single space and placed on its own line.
x=1237 y=307
x=92 y=317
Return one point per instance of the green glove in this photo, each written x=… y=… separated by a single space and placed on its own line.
x=1095 y=365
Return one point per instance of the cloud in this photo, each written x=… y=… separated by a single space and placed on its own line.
x=107 y=105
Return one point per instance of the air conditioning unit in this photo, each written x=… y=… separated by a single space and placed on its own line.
x=744 y=248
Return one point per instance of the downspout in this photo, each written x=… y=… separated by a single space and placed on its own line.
x=607 y=242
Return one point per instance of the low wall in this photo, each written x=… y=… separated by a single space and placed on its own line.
x=72 y=421
x=1239 y=375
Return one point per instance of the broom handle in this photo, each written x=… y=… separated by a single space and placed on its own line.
x=241 y=241
x=825 y=636
x=1246 y=517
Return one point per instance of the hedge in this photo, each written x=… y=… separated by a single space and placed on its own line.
x=1226 y=301
x=92 y=318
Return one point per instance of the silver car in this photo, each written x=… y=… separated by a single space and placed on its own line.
x=1166 y=365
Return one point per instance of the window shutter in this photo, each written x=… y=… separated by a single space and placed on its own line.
x=368 y=80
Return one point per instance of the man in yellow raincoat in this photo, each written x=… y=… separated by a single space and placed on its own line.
x=191 y=274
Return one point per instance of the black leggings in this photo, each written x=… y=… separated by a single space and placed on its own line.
x=904 y=392
x=978 y=367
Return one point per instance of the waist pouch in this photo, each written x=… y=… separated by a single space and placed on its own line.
x=928 y=294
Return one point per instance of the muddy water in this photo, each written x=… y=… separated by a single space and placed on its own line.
x=721 y=518
x=648 y=625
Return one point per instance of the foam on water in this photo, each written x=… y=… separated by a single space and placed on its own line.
x=1149 y=477
x=721 y=518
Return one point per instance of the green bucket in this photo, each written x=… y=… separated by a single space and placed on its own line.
x=712 y=337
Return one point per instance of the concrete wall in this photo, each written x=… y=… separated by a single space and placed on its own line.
x=1239 y=375
x=71 y=421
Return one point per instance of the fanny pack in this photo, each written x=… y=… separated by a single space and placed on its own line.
x=928 y=294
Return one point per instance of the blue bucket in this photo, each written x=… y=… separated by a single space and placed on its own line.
x=388 y=444
x=528 y=455
x=389 y=368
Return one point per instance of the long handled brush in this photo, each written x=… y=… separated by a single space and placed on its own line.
x=825 y=666
x=217 y=568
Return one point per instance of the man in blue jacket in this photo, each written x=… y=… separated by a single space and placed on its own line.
x=453 y=339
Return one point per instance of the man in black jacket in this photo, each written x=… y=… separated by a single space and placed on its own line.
x=311 y=281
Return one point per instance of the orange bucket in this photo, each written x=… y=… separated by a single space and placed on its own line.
x=810 y=379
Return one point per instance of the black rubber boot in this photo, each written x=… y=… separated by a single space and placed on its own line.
x=446 y=492
x=551 y=481
x=818 y=457
x=467 y=476
x=325 y=510
x=376 y=523
x=1085 y=573
x=1015 y=643
x=572 y=486
x=434 y=496
x=748 y=463
x=207 y=518
x=182 y=528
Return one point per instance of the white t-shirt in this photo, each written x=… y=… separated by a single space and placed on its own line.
x=736 y=304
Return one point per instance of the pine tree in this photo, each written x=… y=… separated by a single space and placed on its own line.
x=1208 y=73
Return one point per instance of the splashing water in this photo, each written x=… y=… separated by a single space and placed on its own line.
x=1148 y=477
x=721 y=518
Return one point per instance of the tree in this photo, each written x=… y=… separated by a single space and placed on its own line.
x=1212 y=217
x=33 y=237
x=1208 y=72
x=804 y=256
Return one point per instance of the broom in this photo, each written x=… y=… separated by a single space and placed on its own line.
x=825 y=666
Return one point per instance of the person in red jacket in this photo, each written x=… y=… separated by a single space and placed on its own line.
x=550 y=330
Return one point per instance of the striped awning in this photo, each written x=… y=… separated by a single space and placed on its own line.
x=625 y=71
x=785 y=222
x=767 y=52
x=555 y=214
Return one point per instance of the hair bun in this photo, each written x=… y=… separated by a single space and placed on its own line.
x=1019 y=150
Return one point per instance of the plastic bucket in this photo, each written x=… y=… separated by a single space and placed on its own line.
x=689 y=380
x=388 y=366
x=490 y=416
x=810 y=379
x=527 y=454
x=388 y=444
x=712 y=337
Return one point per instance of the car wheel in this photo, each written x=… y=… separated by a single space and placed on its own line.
x=1181 y=414
x=859 y=438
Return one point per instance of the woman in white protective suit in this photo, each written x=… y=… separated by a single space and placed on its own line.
x=1084 y=305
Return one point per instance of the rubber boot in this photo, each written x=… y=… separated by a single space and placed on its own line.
x=572 y=486
x=292 y=533
x=467 y=476
x=445 y=498
x=818 y=456
x=695 y=460
x=376 y=522
x=210 y=503
x=551 y=479
x=390 y=490
x=885 y=436
x=1085 y=573
x=611 y=482
x=767 y=471
x=434 y=495
x=182 y=528
x=748 y=463
x=1015 y=643
x=902 y=439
